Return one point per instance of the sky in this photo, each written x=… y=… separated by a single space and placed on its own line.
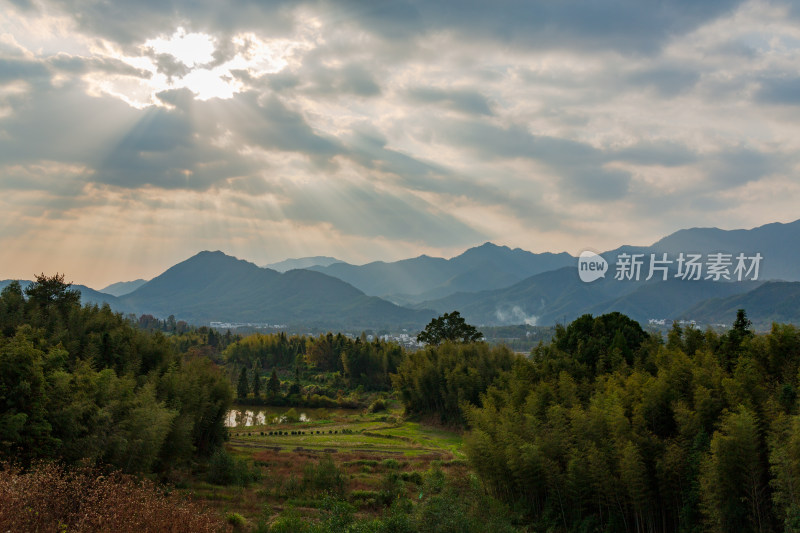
x=134 y=134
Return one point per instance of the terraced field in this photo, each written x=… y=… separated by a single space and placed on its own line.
x=374 y=456
x=346 y=433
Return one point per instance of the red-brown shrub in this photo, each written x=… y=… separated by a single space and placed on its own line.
x=51 y=498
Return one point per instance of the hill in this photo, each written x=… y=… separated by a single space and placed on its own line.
x=775 y=301
x=122 y=288
x=212 y=286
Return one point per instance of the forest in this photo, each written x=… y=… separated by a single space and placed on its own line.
x=610 y=429
x=83 y=384
x=607 y=427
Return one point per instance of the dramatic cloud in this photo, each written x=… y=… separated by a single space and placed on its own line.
x=135 y=133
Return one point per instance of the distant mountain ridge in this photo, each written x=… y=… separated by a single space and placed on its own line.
x=122 y=288
x=773 y=301
x=488 y=266
x=212 y=286
x=560 y=296
x=303 y=262
x=488 y=284
x=774 y=241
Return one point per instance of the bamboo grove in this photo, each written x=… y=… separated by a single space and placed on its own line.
x=608 y=429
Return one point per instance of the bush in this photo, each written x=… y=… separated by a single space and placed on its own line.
x=290 y=522
x=236 y=520
x=377 y=406
x=323 y=476
x=51 y=498
x=364 y=498
x=412 y=477
x=390 y=464
x=224 y=469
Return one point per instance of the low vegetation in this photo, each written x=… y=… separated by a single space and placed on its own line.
x=47 y=497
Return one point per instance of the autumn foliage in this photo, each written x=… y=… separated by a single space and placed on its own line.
x=51 y=498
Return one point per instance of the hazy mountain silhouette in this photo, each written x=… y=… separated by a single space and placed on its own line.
x=122 y=288
x=775 y=243
x=560 y=296
x=773 y=301
x=423 y=278
x=212 y=286
x=303 y=262
x=488 y=284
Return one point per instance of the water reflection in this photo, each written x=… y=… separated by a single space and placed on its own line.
x=246 y=417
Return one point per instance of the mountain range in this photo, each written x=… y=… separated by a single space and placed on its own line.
x=212 y=286
x=488 y=284
x=423 y=278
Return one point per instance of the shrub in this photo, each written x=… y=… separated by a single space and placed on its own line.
x=236 y=520
x=390 y=464
x=50 y=498
x=224 y=469
x=377 y=406
x=290 y=522
x=412 y=477
x=323 y=476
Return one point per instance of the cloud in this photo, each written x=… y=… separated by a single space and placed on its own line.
x=394 y=127
x=578 y=166
x=268 y=123
x=471 y=102
x=624 y=26
x=783 y=91
x=12 y=69
x=668 y=81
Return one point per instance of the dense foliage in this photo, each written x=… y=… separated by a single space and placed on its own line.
x=449 y=327
x=331 y=362
x=82 y=383
x=442 y=380
x=607 y=429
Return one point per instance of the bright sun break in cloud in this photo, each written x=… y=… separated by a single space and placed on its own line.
x=187 y=60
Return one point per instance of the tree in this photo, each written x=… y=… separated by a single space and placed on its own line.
x=52 y=290
x=24 y=429
x=274 y=384
x=449 y=327
x=12 y=308
x=733 y=483
x=732 y=341
x=742 y=324
x=256 y=383
x=243 y=387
